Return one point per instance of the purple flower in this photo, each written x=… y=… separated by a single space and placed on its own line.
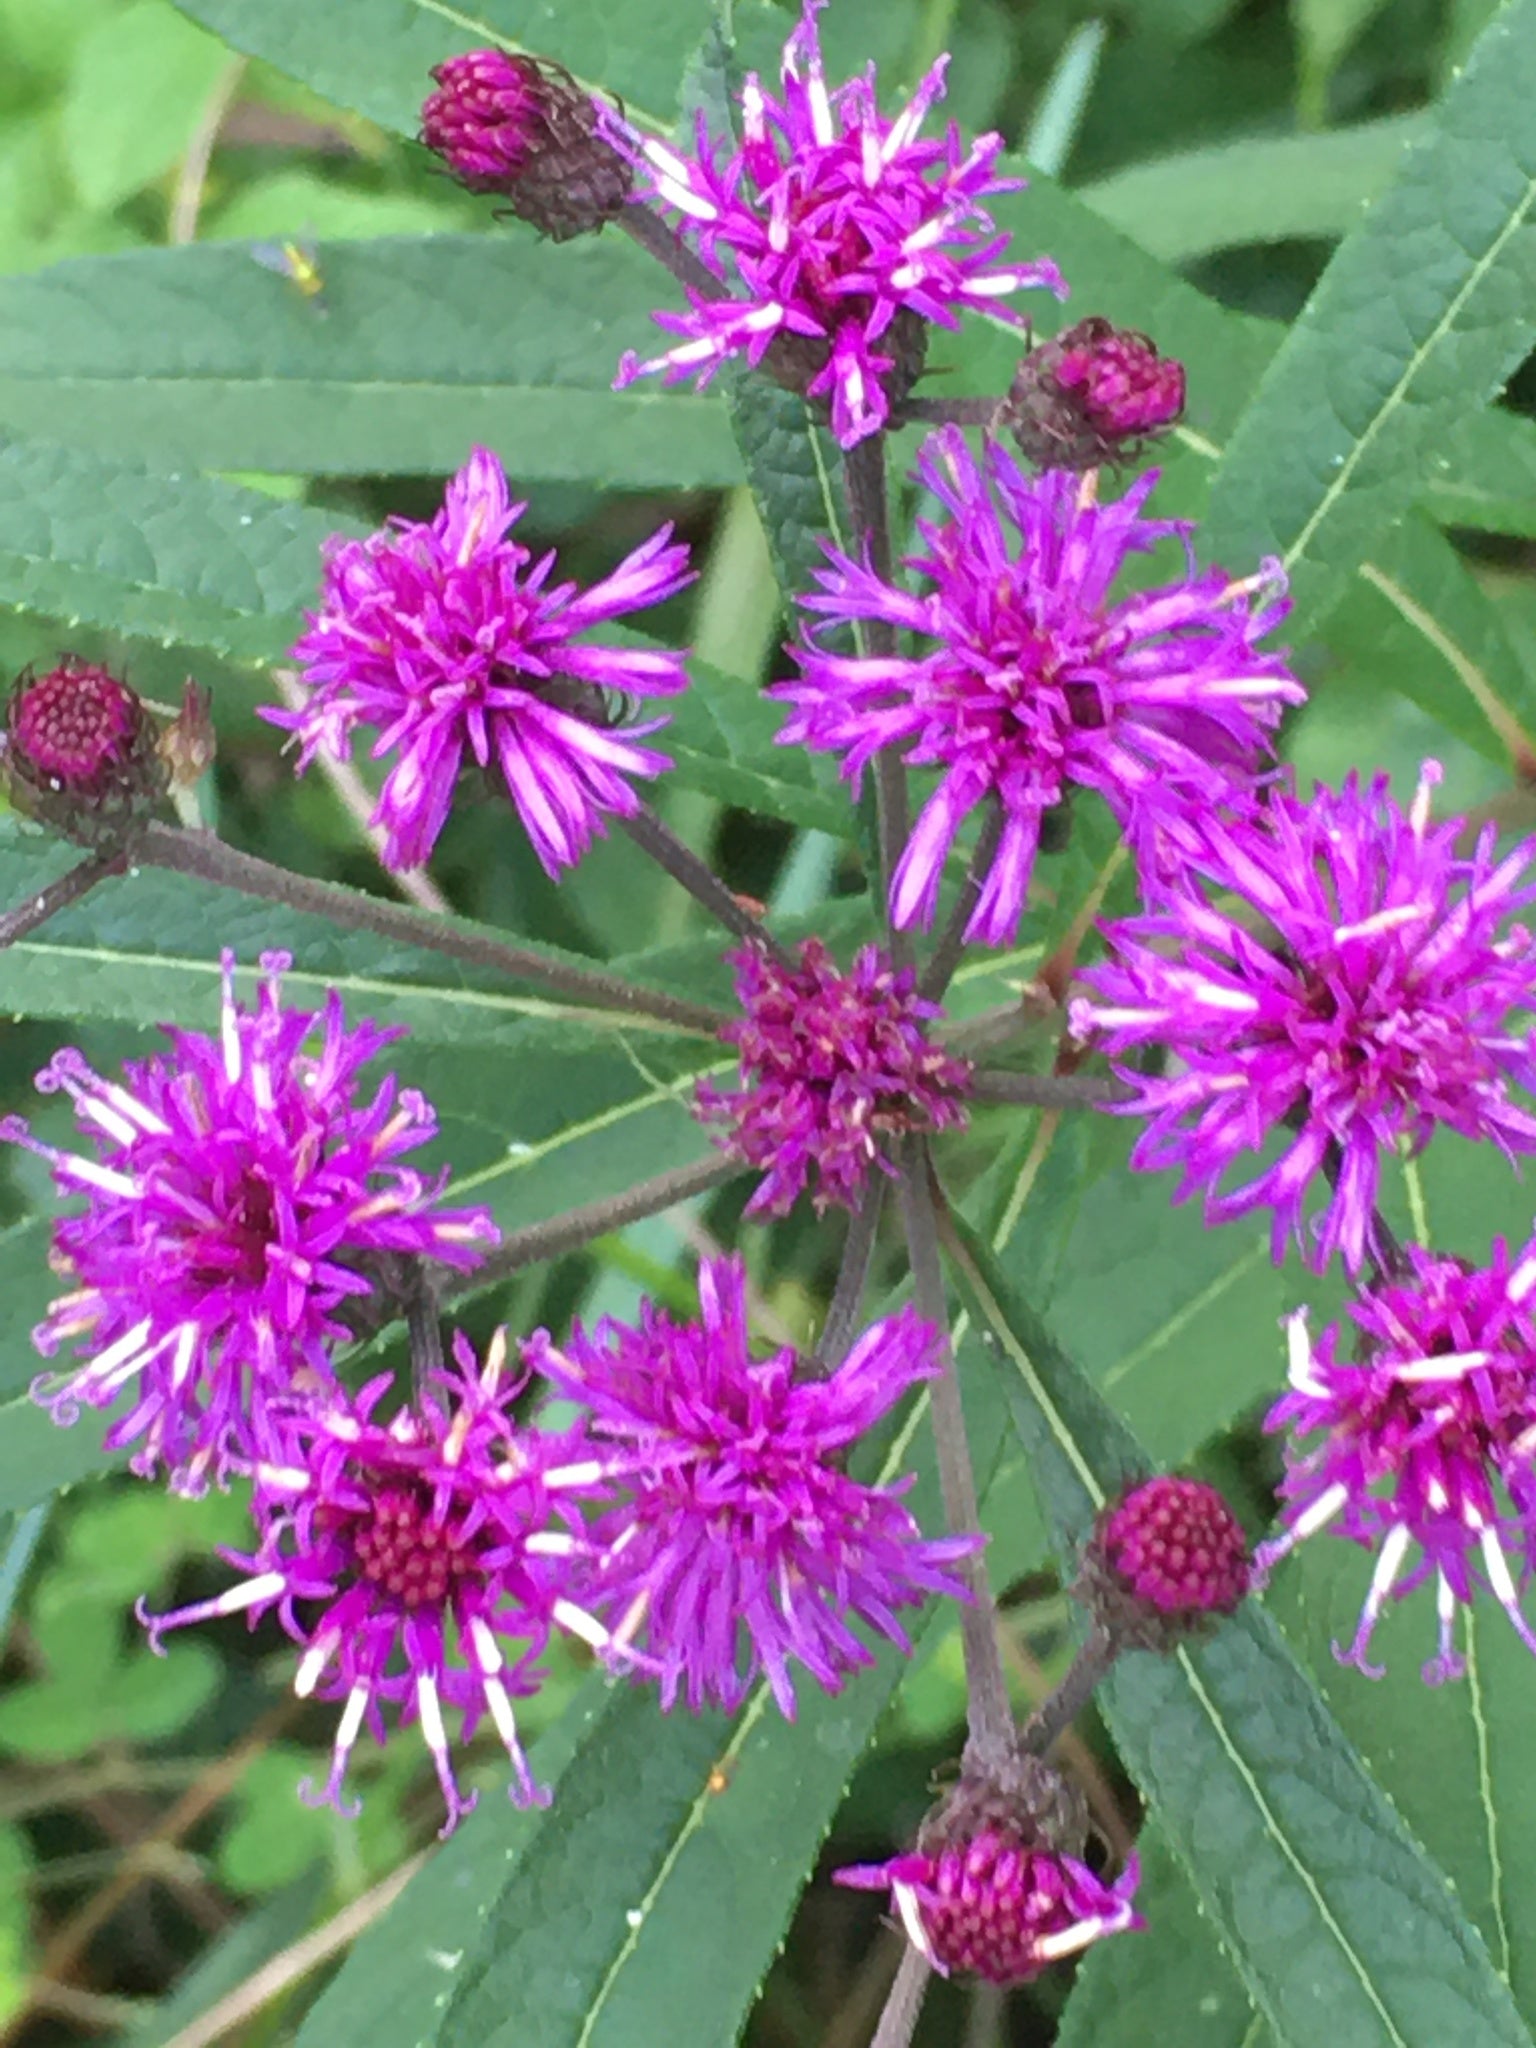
x=419 y=1564
x=452 y=641
x=743 y=1544
x=1037 y=679
x=997 y=1906
x=845 y=233
x=835 y=1068
x=1422 y=1448
x=1357 y=996
x=235 y=1192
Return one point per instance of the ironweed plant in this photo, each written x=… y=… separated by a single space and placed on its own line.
x=1099 y=1085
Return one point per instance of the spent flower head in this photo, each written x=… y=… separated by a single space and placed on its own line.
x=1037 y=678
x=521 y=127
x=835 y=1069
x=837 y=235
x=741 y=1545
x=237 y=1191
x=1421 y=1447
x=451 y=641
x=1382 y=997
x=995 y=1887
x=1094 y=394
x=420 y=1563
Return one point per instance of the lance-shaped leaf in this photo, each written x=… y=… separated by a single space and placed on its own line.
x=1345 y=1933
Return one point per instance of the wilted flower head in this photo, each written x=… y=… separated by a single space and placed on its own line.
x=1095 y=394
x=236 y=1191
x=451 y=640
x=79 y=750
x=835 y=1068
x=995 y=1887
x=522 y=128
x=408 y=1558
x=1423 y=1447
x=1164 y=1562
x=1381 y=1003
x=837 y=235
x=1037 y=678
x=742 y=1545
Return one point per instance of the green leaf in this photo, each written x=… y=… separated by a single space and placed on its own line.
x=1418 y=320
x=636 y=53
x=1325 y=31
x=1172 y=1983
x=137 y=88
x=1266 y=188
x=200 y=358
x=1345 y=1934
x=1485 y=477
x=38 y=1458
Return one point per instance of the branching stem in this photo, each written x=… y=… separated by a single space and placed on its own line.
x=57 y=895
x=852 y=1276
x=700 y=880
x=945 y=957
x=652 y=234
x=1055 y=1715
x=1047 y=1091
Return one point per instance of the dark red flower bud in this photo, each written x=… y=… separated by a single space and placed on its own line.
x=80 y=750
x=522 y=128
x=1163 y=1564
x=1096 y=394
x=995 y=1886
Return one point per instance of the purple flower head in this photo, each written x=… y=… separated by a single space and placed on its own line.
x=836 y=234
x=451 y=641
x=235 y=1192
x=993 y=1906
x=1376 y=1005
x=1037 y=678
x=1163 y=1563
x=419 y=1564
x=80 y=751
x=1095 y=394
x=1423 y=1448
x=835 y=1068
x=742 y=1544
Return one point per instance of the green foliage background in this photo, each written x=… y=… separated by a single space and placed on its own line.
x=1326 y=1862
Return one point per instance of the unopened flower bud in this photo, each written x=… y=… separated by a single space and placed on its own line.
x=188 y=743
x=995 y=1886
x=79 y=750
x=1164 y=1563
x=521 y=127
x=1096 y=394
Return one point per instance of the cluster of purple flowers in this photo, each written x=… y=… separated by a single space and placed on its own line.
x=1313 y=987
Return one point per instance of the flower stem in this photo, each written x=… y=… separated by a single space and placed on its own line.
x=953 y=412
x=852 y=1277
x=208 y=859
x=557 y=1235
x=700 y=880
x=945 y=957
x=57 y=895
x=992 y=1740
x=652 y=234
x=1047 y=1091
x=904 y=2002
x=1055 y=1715
x=870 y=510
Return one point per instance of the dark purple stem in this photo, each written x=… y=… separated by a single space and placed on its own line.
x=657 y=238
x=557 y=1235
x=57 y=895
x=1047 y=1091
x=852 y=1277
x=208 y=859
x=990 y=1714
x=700 y=880
x=953 y=412
x=1055 y=1715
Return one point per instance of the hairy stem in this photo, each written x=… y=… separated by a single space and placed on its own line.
x=1055 y=1715
x=55 y=896
x=953 y=412
x=652 y=234
x=700 y=880
x=207 y=858
x=557 y=1235
x=852 y=1276
x=991 y=1717
x=1047 y=1091
x=870 y=511
x=945 y=957
x=904 y=2002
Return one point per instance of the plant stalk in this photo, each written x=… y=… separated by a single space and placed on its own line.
x=1055 y=1715
x=57 y=895
x=700 y=880
x=904 y=2002
x=1047 y=1091
x=852 y=1277
x=945 y=957
x=648 y=231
